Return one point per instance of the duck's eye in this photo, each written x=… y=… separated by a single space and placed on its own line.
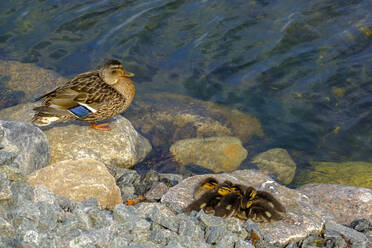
x=113 y=71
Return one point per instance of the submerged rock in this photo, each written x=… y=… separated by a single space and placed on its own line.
x=344 y=203
x=355 y=173
x=220 y=154
x=276 y=162
x=79 y=180
x=25 y=147
x=301 y=219
x=29 y=79
x=166 y=118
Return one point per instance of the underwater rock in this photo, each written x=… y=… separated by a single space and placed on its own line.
x=276 y=162
x=30 y=79
x=166 y=118
x=301 y=218
x=220 y=154
x=343 y=202
x=25 y=147
x=354 y=173
x=79 y=180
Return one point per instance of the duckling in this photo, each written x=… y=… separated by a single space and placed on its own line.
x=261 y=211
x=271 y=201
x=204 y=186
x=261 y=206
x=92 y=96
x=209 y=200
x=246 y=200
x=230 y=204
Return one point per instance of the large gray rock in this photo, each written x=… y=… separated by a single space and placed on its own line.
x=343 y=203
x=300 y=220
x=24 y=146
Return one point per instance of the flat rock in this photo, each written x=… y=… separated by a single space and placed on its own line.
x=276 y=162
x=165 y=118
x=27 y=144
x=220 y=154
x=21 y=112
x=301 y=219
x=79 y=180
x=344 y=203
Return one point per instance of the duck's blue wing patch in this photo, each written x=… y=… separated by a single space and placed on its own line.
x=80 y=111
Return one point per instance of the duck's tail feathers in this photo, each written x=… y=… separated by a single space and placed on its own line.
x=46 y=115
x=41 y=119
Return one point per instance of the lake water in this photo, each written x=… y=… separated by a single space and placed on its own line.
x=304 y=68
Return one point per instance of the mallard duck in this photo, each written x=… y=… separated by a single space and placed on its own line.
x=204 y=186
x=91 y=96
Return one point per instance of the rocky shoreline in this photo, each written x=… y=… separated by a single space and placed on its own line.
x=48 y=215
x=67 y=185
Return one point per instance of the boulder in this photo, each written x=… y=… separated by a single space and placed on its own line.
x=165 y=118
x=343 y=203
x=278 y=163
x=79 y=180
x=24 y=147
x=220 y=154
x=301 y=218
x=123 y=146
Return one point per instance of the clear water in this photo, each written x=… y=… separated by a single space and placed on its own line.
x=302 y=67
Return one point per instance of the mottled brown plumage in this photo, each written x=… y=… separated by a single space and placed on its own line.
x=91 y=96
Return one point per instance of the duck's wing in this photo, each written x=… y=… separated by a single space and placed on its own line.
x=228 y=206
x=81 y=96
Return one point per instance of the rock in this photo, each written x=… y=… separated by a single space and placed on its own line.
x=22 y=112
x=28 y=143
x=342 y=202
x=28 y=80
x=145 y=209
x=301 y=219
x=166 y=118
x=243 y=244
x=356 y=238
x=124 y=213
x=355 y=173
x=220 y=154
x=156 y=192
x=276 y=162
x=6 y=229
x=5 y=191
x=79 y=180
x=164 y=219
x=124 y=146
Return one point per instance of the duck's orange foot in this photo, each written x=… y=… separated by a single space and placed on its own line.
x=103 y=126
x=135 y=200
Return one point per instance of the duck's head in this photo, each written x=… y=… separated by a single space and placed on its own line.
x=112 y=71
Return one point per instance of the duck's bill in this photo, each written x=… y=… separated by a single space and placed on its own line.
x=128 y=74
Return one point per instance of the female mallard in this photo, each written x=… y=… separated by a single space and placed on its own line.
x=91 y=96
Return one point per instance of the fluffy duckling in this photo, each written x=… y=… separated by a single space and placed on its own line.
x=261 y=211
x=204 y=186
x=210 y=199
x=261 y=206
x=230 y=203
x=91 y=96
